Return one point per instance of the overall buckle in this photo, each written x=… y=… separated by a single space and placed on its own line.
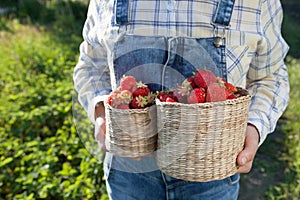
x=219 y=37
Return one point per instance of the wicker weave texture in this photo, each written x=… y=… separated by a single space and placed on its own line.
x=131 y=132
x=200 y=142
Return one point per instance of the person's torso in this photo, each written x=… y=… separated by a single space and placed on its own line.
x=163 y=42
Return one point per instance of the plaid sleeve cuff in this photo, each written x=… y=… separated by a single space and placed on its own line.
x=92 y=105
x=259 y=120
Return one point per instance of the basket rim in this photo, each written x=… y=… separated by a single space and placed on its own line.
x=206 y=104
x=143 y=110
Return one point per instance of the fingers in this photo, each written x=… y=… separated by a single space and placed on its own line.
x=246 y=157
x=100 y=132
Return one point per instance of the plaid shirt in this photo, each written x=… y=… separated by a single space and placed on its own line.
x=255 y=49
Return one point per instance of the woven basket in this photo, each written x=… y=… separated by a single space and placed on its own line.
x=200 y=142
x=131 y=132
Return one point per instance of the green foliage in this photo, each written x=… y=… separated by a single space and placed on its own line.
x=290 y=188
x=41 y=155
x=291 y=26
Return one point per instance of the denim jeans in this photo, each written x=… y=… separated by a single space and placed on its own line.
x=156 y=185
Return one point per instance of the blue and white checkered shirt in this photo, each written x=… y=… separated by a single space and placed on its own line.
x=255 y=49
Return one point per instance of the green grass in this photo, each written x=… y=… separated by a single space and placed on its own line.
x=291 y=27
x=41 y=154
x=289 y=188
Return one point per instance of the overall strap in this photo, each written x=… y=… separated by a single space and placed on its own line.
x=121 y=12
x=223 y=13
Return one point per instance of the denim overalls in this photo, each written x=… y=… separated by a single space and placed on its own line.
x=162 y=62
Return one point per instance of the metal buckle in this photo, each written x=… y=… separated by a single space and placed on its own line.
x=219 y=38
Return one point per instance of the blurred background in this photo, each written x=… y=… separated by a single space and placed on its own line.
x=44 y=151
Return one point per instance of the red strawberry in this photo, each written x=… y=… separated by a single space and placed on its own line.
x=162 y=95
x=231 y=87
x=170 y=99
x=141 y=90
x=197 y=96
x=138 y=102
x=203 y=78
x=123 y=106
x=232 y=96
x=216 y=92
x=126 y=96
x=150 y=98
x=114 y=99
x=109 y=100
x=127 y=82
x=183 y=90
x=133 y=88
x=230 y=90
x=228 y=93
x=192 y=82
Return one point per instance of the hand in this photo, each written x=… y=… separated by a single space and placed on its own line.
x=100 y=132
x=246 y=157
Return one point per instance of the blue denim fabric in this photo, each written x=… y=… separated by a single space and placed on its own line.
x=156 y=185
x=163 y=62
x=223 y=13
x=121 y=12
x=141 y=57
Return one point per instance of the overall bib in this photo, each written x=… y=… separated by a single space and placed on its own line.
x=162 y=62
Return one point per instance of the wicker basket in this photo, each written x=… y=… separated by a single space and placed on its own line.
x=131 y=132
x=200 y=142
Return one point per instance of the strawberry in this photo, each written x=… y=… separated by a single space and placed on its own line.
x=228 y=93
x=183 y=90
x=230 y=87
x=197 y=95
x=127 y=82
x=109 y=100
x=126 y=96
x=141 y=90
x=114 y=99
x=150 y=98
x=162 y=95
x=133 y=88
x=170 y=99
x=138 y=102
x=203 y=78
x=215 y=92
x=192 y=82
x=232 y=96
x=123 y=106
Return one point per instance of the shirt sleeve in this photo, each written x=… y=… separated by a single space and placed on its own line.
x=91 y=74
x=268 y=77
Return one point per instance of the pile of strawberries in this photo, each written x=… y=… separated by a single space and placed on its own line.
x=204 y=86
x=131 y=95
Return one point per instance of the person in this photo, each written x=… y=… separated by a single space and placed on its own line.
x=161 y=42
